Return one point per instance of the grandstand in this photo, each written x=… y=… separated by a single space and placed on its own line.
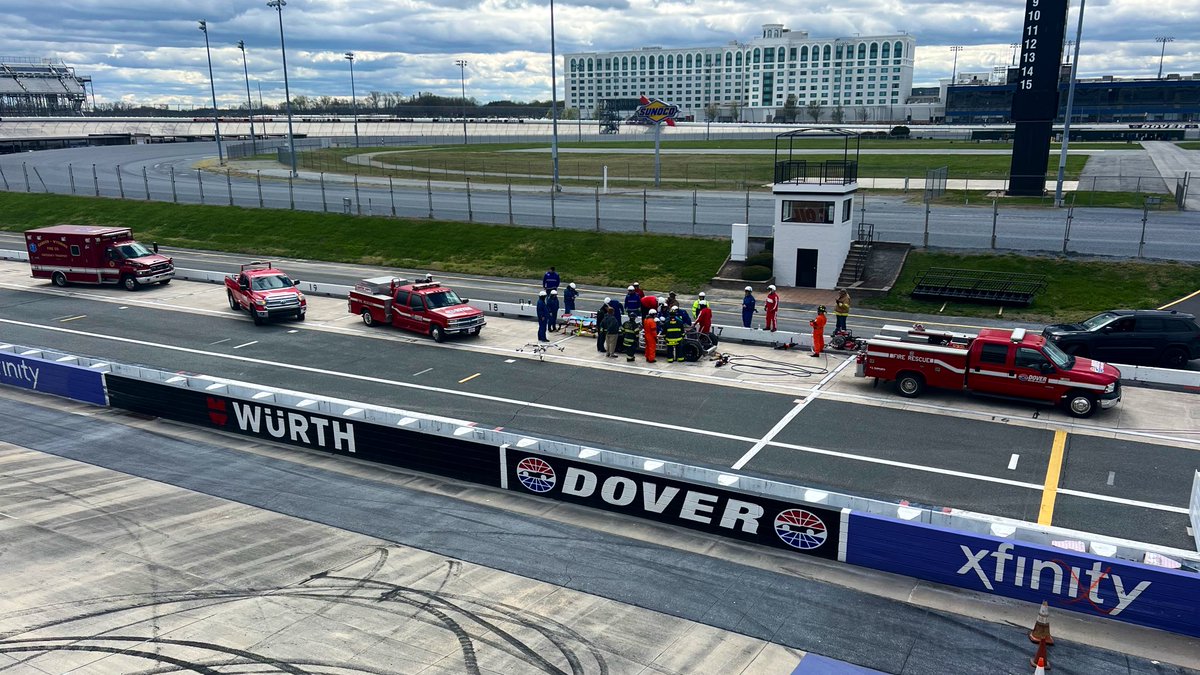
x=40 y=87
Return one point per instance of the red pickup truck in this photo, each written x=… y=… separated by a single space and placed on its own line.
x=998 y=362
x=265 y=292
x=428 y=307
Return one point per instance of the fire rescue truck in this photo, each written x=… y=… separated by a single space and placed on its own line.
x=265 y=292
x=426 y=307
x=87 y=254
x=997 y=362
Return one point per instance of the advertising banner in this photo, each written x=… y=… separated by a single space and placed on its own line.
x=49 y=377
x=1089 y=584
x=753 y=518
x=429 y=453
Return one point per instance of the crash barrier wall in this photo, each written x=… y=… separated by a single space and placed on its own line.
x=52 y=373
x=1194 y=509
x=790 y=517
x=1088 y=583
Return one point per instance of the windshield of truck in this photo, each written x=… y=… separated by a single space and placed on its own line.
x=270 y=283
x=442 y=299
x=134 y=250
x=1060 y=358
x=1099 y=321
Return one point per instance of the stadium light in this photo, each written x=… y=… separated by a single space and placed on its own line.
x=213 y=86
x=1164 y=39
x=249 y=101
x=353 y=98
x=1066 y=137
x=278 y=6
x=954 y=69
x=1013 y=46
x=462 y=80
x=554 y=100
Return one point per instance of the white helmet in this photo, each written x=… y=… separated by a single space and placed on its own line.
x=541 y=294
x=702 y=294
x=630 y=288
x=704 y=303
x=772 y=287
x=652 y=312
x=572 y=284
x=749 y=288
x=554 y=291
x=674 y=308
x=607 y=300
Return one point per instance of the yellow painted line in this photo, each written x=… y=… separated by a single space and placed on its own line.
x=468 y=379
x=73 y=318
x=1189 y=296
x=1053 y=472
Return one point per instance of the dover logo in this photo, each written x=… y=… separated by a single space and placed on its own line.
x=800 y=529
x=655 y=112
x=536 y=474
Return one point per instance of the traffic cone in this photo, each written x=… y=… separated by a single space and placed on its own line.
x=1041 y=666
x=1041 y=627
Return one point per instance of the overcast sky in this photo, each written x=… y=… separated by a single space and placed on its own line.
x=143 y=51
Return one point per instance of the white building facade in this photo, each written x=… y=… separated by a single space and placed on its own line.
x=864 y=79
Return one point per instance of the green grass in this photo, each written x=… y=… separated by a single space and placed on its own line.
x=1075 y=289
x=611 y=259
x=1129 y=200
x=1189 y=145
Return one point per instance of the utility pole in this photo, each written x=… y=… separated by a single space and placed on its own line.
x=213 y=87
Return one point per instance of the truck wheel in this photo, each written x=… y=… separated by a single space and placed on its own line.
x=1080 y=404
x=910 y=385
x=438 y=334
x=476 y=331
x=1174 y=357
x=258 y=320
x=129 y=282
x=368 y=320
x=691 y=351
x=164 y=282
x=233 y=303
x=59 y=279
x=300 y=316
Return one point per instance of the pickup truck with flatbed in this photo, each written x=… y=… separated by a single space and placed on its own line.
x=426 y=307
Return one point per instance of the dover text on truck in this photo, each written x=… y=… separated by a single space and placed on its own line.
x=1007 y=363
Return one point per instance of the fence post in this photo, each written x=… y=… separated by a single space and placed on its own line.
x=995 y=216
x=4 y=178
x=644 y=226
x=392 y=196
x=95 y=180
x=429 y=193
x=39 y=177
x=146 y=183
x=747 y=205
x=258 y=181
x=120 y=182
x=470 y=209
x=25 y=170
x=553 y=215
x=357 y=198
x=1145 y=217
x=926 y=240
x=597 y=209
x=174 y=196
x=694 y=200
x=291 y=193
x=1067 y=230
x=70 y=174
x=229 y=185
x=324 y=205
x=510 y=213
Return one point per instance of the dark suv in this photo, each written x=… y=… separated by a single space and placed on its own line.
x=1147 y=337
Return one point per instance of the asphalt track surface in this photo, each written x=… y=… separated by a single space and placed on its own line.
x=785 y=608
x=925 y=458
x=1093 y=231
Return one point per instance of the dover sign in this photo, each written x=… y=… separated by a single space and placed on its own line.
x=1118 y=589
x=752 y=518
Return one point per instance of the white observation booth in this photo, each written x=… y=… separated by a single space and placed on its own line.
x=813 y=206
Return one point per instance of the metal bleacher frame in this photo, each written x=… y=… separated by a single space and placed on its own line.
x=1005 y=288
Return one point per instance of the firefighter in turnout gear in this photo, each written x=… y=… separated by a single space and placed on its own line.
x=673 y=334
x=629 y=337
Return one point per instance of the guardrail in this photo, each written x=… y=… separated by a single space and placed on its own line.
x=1194 y=509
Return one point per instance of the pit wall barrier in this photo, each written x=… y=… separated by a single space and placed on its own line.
x=1194 y=509
x=984 y=553
x=53 y=373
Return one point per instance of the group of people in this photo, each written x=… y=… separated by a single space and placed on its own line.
x=646 y=313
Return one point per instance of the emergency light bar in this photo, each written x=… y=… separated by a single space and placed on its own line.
x=1018 y=335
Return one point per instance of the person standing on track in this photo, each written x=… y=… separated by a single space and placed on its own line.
x=612 y=332
x=704 y=318
x=841 y=309
x=600 y=314
x=818 y=331
x=748 y=310
x=650 y=331
x=552 y=309
x=772 y=306
x=673 y=334
x=542 y=316
x=633 y=301
x=550 y=280
x=696 y=303
x=629 y=337
x=569 y=298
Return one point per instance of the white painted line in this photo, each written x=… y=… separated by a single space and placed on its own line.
x=422 y=372
x=833 y=373
x=1112 y=476
x=1012 y=462
x=219 y=342
x=73 y=318
x=800 y=405
x=293 y=331
x=246 y=344
x=510 y=360
x=1127 y=502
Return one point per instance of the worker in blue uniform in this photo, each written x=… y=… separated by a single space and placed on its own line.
x=543 y=316
x=616 y=308
x=550 y=280
x=633 y=301
x=552 y=309
x=748 y=309
x=569 y=298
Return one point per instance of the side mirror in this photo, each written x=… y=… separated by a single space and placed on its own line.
x=295 y=282
x=1106 y=329
x=1046 y=368
x=465 y=301
x=155 y=247
x=244 y=284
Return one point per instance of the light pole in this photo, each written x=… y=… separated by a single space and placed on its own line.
x=1070 y=43
x=954 y=69
x=1066 y=139
x=554 y=100
x=1013 y=46
x=249 y=101
x=462 y=80
x=1164 y=39
x=213 y=87
x=353 y=97
x=278 y=6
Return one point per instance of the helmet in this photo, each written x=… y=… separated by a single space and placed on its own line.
x=702 y=294
x=572 y=284
x=772 y=287
x=674 y=308
x=749 y=288
x=821 y=308
x=652 y=312
x=636 y=284
x=554 y=291
x=629 y=288
x=704 y=303
x=607 y=300
x=541 y=294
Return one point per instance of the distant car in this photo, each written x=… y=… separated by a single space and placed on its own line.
x=1146 y=337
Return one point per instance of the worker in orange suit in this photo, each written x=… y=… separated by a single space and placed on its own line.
x=818 y=331
x=772 y=306
x=650 y=331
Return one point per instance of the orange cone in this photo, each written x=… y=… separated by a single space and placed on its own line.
x=1041 y=627
x=1039 y=660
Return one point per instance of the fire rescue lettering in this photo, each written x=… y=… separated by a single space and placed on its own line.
x=1029 y=572
x=695 y=506
x=294 y=426
x=919 y=359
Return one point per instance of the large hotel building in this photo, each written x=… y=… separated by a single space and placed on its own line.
x=865 y=78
